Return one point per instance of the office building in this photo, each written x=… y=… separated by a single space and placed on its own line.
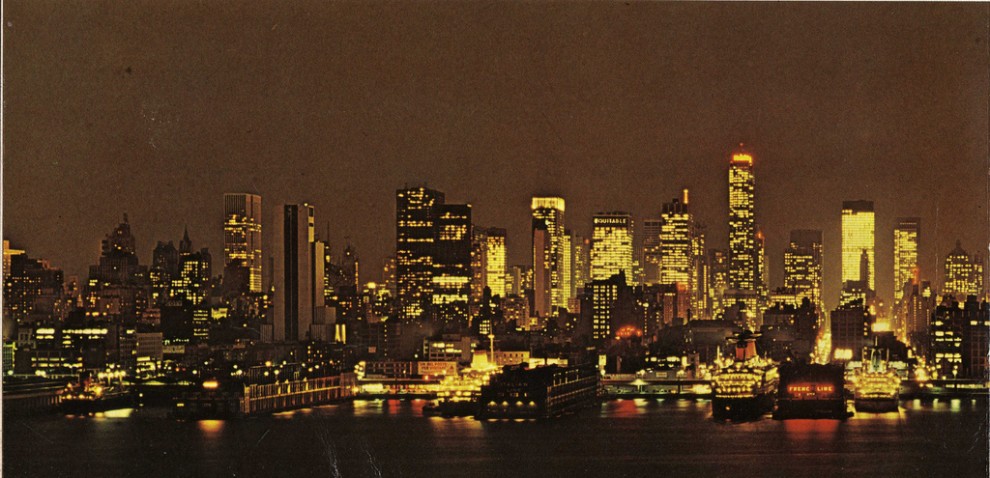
x=415 y=231
x=612 y=245
x=858 y=228
x=242 y=235
x=963 y=274
x=548 y=254
x=803 y=266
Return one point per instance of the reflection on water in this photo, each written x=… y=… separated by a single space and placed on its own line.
x=811 y=429
x=210 y=428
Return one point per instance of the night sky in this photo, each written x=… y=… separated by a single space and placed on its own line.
x=157 y=108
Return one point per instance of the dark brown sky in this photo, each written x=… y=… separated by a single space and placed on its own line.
x=157 y=108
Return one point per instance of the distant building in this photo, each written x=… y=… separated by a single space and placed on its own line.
x=32 y=290
x=963 y=274
x=415 y=235
x=651 y=254
x=803 y=266
x=850 y=326
x=858 y=230
x=612 y=245
x=242 y=234
x=906 y=237
x=451 y=278
x=548 y=254
x=959 y=339
x=295 y=287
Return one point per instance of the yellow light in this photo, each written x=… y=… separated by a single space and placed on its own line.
x=742 y=158
x=211 y=384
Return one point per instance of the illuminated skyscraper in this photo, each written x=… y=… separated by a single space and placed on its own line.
x=858 y=227
x=612 y=245
x=566 y=269
x=743 y=256
x=963 y=274
x=803 y=266
x=294 y=285
x=581 y=266
x=496 y=253
x=676 y=237
x=548 y=253
x=906 y=236
x=718 y=273
x=242 y=234
x=651 y=257
x=451 y=279
x=416 y=213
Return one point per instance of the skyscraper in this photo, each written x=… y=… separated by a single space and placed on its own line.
x=295 y=286
x=963 y=274
x=416 y=212
x=242 y=234
x=548 y=253
x=496 y=254
x=743 y=258
x=858 y=227
x=676 y=241
x=451 y=278
x=906 y=235
x=803 y=266
x=612 y=245
x=651 y=258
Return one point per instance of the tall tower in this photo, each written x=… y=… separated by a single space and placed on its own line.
x=416 y=212
x=242 y=234
x=495 y=261
x=803 y=266
x=858 y=227
x=651 y=258
x=963 y=274
x=295 y=287
x=676 y=244
x=612 y=246
x=906 y=235
x=548 y=253
x=451 y=279
x=743 y=255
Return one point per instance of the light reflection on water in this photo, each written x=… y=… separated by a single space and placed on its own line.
x=210 y=428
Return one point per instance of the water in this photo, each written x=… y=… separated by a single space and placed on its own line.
x=391 y=438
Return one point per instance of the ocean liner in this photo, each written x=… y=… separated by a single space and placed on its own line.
x=745 y=388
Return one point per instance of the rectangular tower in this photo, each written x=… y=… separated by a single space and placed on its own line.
x=416 y=211
x=906 y=235
x=242 y=234
x=293 y=275
x=612 y=246
x=858 y=228
x=548 y=252
x=803 y=266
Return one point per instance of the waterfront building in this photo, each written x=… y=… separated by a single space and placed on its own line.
x=415 y=231
x=850 y=327
x=242 y=235
x=548 y=254
x=959 y=338
x=858 y=229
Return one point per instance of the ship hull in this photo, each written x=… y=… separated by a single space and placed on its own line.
x=748 y=408
x=102 y=404
x=876 y=405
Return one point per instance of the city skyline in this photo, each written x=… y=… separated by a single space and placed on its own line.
x=812 y=151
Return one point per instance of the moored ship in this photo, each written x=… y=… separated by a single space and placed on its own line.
x=91 y=396
x=542 y=392
x=745 y=388
x=876 y=386
x=811 y=391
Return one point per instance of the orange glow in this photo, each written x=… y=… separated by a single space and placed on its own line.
x=211 y=384
x=742 y=158
x=808 y=388
x=628 y=331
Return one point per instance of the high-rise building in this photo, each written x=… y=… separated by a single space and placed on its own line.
x=651 y=257
x=295 y=287
x=242 y=234
x=195 y=271
x=581 y=266
x=451 y=279
x=676 y=237
x=32 y=290
x=906 y=235
x=566 y=269
x=803 y=266
x=415 y=231
x=718 y=273
x=164 y=269
x=743 y=256
x=858 y=227
x=612 y=245
x=496 y=256
x=963 y=274
x=959 y=339
x=548 y=253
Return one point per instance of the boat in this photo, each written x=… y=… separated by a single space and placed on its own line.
x=542 y=392
x=91 y=396
x=745 y=388
x=811 y=391
x=876 y=386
